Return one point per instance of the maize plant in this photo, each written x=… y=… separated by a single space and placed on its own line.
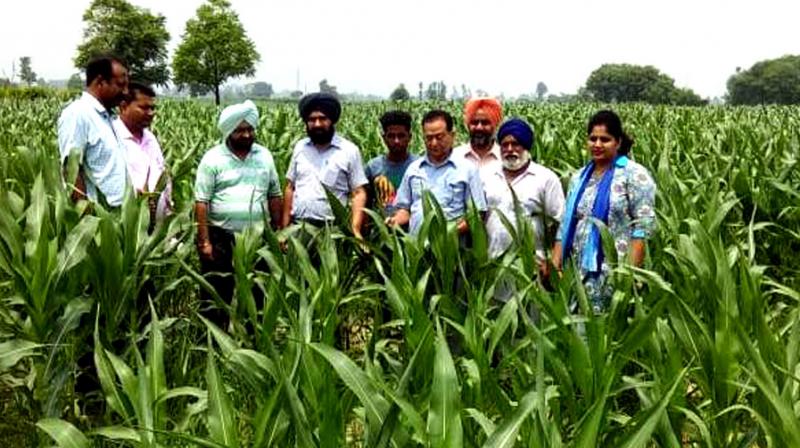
x=398 y=341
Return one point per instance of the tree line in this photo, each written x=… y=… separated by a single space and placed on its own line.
x=215 y=47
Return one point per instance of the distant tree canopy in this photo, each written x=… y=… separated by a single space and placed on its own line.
x=26 y=73
x=129 y=32
x=400 y=93
x=436 y=91
x=324 y=87
x=215 y=47
x=259 y=89
x=541 y=90
x=75 y=82
x=772 y=81
x=633 y=83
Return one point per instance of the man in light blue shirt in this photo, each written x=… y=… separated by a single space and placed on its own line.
x=452 y=181
x=86 y=126
x=323 y=160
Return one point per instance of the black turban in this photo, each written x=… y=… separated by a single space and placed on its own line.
x=321 y=102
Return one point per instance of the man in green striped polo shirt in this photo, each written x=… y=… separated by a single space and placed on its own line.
x=236 y=186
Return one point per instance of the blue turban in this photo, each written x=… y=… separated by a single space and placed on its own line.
x=519 y=129
x=232 y=116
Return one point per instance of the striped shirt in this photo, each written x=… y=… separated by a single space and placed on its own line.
x=236 y=190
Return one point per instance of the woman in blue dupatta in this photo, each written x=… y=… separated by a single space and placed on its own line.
x=613 y=189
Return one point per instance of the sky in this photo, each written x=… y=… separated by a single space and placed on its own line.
x=498 y=46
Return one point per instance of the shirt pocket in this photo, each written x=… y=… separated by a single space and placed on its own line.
x=334 y=176
x=456 y=195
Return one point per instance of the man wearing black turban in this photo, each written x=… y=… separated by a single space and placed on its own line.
x=324 y=160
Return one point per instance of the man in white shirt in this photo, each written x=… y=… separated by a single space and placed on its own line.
x=145 y=160
x=538 y=190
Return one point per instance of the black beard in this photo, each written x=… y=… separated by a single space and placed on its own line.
x=245 y=146
x=321 y=136
x=480 y=139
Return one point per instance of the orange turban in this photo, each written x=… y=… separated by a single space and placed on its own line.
x=489 y=105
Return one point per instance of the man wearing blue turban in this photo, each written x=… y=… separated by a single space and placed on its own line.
x=236 y=187
x=538 y=190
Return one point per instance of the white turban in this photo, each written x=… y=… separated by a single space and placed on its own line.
x=233 y=115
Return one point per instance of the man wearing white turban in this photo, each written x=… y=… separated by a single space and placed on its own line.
x=236 y=185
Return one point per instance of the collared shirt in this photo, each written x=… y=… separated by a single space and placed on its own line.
x=337 y=167
x=394 y=171
x=145 y=163
x=452 y=184
x=487 y=165
x=539 y=193
x=87 y=126
x=236 y=190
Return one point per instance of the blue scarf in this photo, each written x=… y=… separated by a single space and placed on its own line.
x=592 y=259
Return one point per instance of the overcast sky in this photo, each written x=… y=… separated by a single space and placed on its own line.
x=499 y=46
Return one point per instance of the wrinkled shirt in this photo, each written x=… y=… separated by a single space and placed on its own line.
x=337 y=167
x=87 y=126
x=145 y=163
x=540 y=195
x=452 y=183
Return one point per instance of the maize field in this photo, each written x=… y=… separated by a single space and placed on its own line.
x=402 y=345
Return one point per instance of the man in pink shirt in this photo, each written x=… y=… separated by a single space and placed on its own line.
x=482 y=116
x=145 y=161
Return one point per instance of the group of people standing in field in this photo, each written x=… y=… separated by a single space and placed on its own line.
x=237 y=183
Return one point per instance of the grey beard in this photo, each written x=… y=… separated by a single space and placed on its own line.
x=516 y=163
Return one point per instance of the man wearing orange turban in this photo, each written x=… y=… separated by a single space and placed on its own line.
x=482 y=116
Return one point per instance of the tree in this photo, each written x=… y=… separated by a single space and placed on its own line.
x=215 y=47
x=420 y=91
x=770 y=81
x=260 y=89
x=26 y=73
x=296 y=94
x=75 y=82
x=436 y=91
x=400 y=93
x=541 y=90
x=128 y=32
x=324 y=87
x=630 y=83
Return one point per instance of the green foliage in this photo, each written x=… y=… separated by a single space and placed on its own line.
x=26 y=73
x=215 y=47
x=700 y=347
x=436 y=91
x=129 y=32
x=75 y=82
x=773 y=81
x=626 y=83
x=400 y=93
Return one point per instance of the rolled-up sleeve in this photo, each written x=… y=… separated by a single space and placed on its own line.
x=642 y=197
x=291 y=171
